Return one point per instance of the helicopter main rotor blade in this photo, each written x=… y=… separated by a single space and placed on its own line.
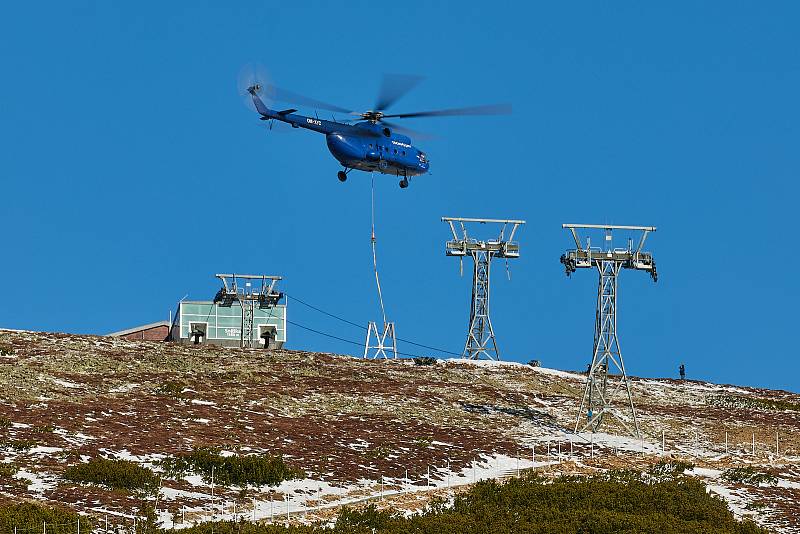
x=394 y=87
x=284 y=95
x=492 y=109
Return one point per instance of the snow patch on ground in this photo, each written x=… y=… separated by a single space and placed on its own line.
x=37 y=482
x=124 y=388
x=64 y=383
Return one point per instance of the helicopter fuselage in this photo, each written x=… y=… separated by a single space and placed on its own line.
x=365 y=146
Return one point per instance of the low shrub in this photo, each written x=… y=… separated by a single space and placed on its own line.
x=29 y=517
x=19 y=444
x=748 y=475
x=234 y=470
x=667 y=470
x=609 y=503
x=7 y=470
x=424 y=360
x=116 y=474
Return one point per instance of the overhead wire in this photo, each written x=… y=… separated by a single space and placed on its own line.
x=342 y=319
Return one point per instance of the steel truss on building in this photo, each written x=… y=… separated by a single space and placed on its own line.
x=606 y=376
x=248 y=297
x=480 y=335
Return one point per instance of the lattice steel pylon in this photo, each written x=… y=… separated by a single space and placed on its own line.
x=606 y=374
x=480 y=335
x=265 y=296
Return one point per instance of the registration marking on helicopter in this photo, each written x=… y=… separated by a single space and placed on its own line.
x=404 y=145
x=315 y=122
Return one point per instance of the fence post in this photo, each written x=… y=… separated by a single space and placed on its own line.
x=533 y=455
x=287 y=508
x=776 y=444
x=448 y=473
x=429 y=477
x=726 y=442
x=79 y=525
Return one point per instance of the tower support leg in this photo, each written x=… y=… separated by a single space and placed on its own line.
x=606 y=376
x=480 y=337
x=248 y=311
x=384 y=342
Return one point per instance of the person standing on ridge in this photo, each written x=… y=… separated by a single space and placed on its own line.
x=682 y=371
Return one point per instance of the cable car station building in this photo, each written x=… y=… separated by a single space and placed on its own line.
x=239 y=316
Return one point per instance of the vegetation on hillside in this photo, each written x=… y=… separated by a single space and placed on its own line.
x=662 y=500
x=748 y=475
x=31 y=517
x=233 y=470
x=116 y=474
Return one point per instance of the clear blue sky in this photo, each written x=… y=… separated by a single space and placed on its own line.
x=131 y=172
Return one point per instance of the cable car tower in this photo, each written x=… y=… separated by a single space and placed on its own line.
x=265 y=296
x=606 y=374
x=480 y=337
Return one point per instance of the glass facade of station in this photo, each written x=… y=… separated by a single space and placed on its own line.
x=223 y=324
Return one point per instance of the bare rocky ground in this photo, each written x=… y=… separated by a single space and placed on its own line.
x=360 y=429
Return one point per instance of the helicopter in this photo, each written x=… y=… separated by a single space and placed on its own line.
x=367 y=143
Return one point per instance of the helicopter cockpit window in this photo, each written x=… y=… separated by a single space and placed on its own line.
x=421 y=157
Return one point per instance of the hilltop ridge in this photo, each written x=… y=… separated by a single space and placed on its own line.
x=357 y=428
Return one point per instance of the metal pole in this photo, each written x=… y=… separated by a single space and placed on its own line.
x=79 y=525
x=776 y=444
x=429 y=477
x=287 y=508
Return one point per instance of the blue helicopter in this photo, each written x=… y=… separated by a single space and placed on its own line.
x=368 y=143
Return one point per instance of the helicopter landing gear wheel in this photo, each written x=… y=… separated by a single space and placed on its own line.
x=403 y=183
x=342 y=176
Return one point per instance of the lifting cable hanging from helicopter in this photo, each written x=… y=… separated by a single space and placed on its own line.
x=368 y=142
x=374 y=253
